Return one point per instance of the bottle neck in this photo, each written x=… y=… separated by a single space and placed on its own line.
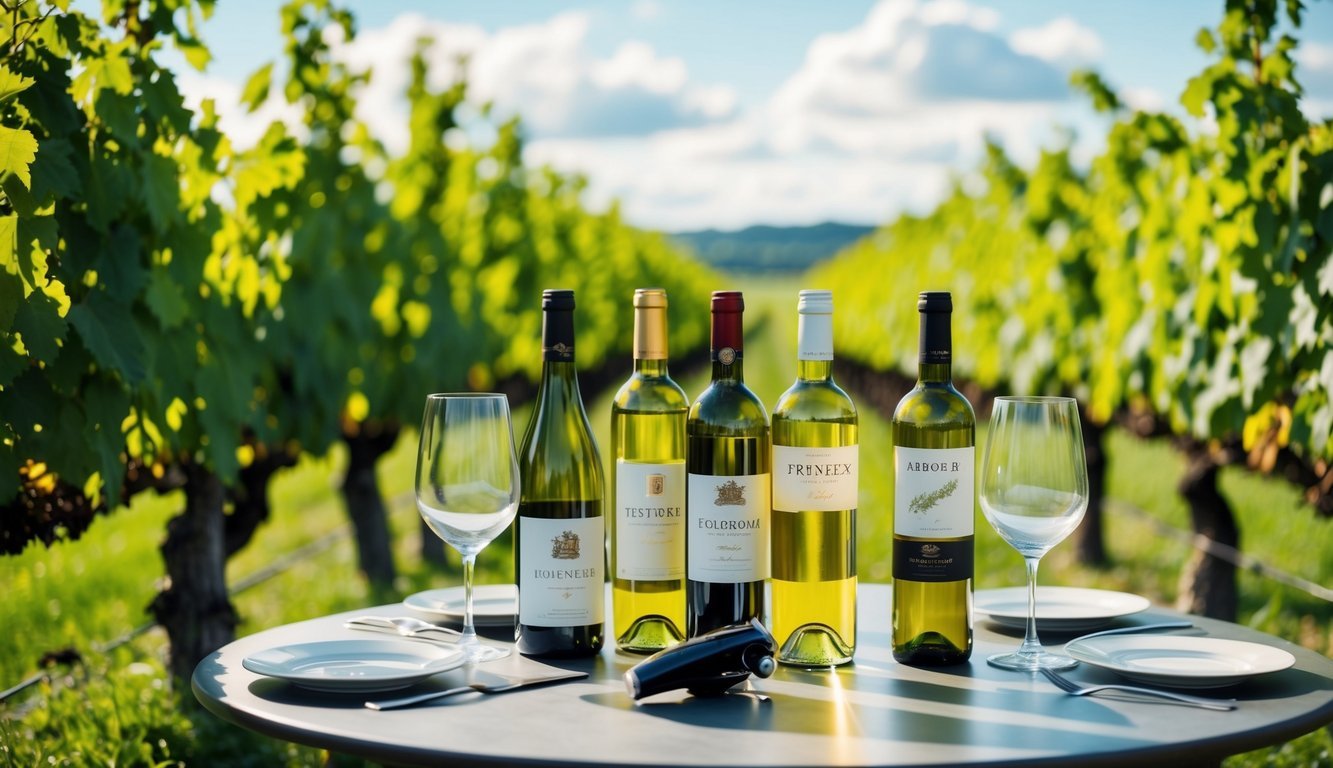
x=734 y=373
x=935 y=373
x=558 y=336
x=650 y=336
x=649 y=368
x=935 y=364
x=814 y=346
x=814 y=370
x=560 y=380
x=559 y=387
x=726 y=347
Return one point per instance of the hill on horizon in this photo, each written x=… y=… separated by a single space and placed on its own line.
x=769 y=248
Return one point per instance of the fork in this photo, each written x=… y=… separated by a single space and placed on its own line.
x=1074 y=689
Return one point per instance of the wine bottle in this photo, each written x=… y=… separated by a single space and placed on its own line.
x=559 y=537
x=648 y=527
x=727 y=486
x=934 y=438
x=815 y=465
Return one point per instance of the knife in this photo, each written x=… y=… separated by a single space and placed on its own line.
x=488 y=681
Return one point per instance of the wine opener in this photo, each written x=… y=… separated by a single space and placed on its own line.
x=707 y=665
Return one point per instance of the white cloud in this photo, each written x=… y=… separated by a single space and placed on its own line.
x=646 y=10
x=1061 y=41
x=1144 y=99
x=875 y=121
x=913 y=78
x=542 y=72
x=1314 y=71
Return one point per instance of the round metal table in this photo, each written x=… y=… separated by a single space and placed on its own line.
x=872 y=712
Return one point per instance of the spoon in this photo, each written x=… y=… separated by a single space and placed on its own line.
x=406 y=626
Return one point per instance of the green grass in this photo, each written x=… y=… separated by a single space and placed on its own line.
x=118 y=708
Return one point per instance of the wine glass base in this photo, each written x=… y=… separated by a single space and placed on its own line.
x=1031 y=662
x=476 y=653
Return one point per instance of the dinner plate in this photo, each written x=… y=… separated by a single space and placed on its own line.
x=1059 y=609
x=493 y=605
x=1180 y=661
x=361 y=666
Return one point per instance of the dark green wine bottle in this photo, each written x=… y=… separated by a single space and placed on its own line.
x=559 y=551
x=934 y=439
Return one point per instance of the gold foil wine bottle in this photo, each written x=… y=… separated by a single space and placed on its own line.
x=648 y=488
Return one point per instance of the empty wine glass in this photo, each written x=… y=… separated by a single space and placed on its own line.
x=1034 y=491
x=467 y=485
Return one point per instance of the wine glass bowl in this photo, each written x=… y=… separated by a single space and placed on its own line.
x=467 y=485
x=1034 y=492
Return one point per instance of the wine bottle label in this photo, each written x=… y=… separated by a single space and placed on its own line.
x=650 y=521
x=814 y=479
x=933 y=513
x=933 y=560
x=934 y=492
x=560 y=580
x=728 y=528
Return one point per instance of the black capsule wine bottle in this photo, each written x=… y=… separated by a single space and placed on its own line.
x=934 y=438
x=559 y=550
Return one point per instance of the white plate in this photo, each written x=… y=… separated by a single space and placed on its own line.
x=493 y=605
x=362 y=666
x=1059 y=609
x=1180 y=662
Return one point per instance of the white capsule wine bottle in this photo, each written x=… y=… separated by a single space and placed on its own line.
x=815 y=470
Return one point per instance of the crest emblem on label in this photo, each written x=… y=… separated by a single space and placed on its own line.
x=656 y=485
x=730 y=494
x=563 y=349
x=726 y=355
x=930 y=550
x=565 y=546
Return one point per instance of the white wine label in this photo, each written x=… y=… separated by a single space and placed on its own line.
x=650 y=521
x=815 y=479
x=560 y=579
x=934 y=492
x=728 y=528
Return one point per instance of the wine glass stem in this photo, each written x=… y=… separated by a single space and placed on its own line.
x=469 y=631
x=1031 y=645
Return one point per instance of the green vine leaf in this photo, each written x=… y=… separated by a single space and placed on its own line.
x=161 y=190
x=53 y=173
x=17 y=151
x=12 y=84
x=38 y=322
x=257 y=87
x=107 y=191
x=166 y=300
x=110 y=335
x=11 y=295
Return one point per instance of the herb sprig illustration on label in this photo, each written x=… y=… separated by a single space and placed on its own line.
x=924 y=502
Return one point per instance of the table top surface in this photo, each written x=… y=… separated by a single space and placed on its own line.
x=871 y=712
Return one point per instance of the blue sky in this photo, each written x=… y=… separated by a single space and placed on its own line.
x=698 y=114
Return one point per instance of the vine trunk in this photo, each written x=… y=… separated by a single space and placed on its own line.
x=194 y=607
